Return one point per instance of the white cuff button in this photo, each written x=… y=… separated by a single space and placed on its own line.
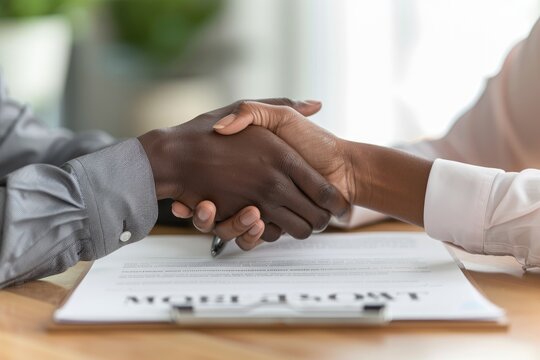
x=125 y=236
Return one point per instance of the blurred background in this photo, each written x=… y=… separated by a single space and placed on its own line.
x=386 y=70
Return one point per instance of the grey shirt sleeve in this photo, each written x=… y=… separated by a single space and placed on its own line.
x=25 y=140
x=53 y=215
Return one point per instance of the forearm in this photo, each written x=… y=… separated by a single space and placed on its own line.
x=388 y=180
x=483 y=210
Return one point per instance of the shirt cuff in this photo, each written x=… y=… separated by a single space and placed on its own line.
x=118 y=188
x=456 y=202
x=359 y=217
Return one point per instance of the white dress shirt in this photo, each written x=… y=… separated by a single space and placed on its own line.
x=493 y=205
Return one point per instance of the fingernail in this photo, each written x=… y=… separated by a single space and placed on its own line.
x=248 y=218
x=203 y=214
x=224 y=122
x=175 y=213
x=345 y=216
x=313 y=102
x=255 y=229
x=318 y=231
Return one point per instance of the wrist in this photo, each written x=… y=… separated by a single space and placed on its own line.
x=389 y=181
x=358 y=172
x=351 y=166
x=156 y=145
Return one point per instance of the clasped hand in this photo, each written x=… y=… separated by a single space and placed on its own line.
x=251 y=182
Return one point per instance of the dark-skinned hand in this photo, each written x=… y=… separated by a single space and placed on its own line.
x=192 y=163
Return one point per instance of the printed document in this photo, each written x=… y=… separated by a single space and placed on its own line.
x=414 y=275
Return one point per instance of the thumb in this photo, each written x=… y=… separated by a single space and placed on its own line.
x=308 y=107
x=234 y=123
x=248 y=113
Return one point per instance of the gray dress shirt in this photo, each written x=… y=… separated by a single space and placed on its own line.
x=66 y=197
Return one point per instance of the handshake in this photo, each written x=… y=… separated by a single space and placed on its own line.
x=282 y=174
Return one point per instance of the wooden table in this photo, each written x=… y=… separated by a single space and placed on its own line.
x=25 y=315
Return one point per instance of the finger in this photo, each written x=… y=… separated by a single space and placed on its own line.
x=234 y=123
x=180 y=210
x=254 y=234
x=305 y=107
x=258 y=242
x=204 y=216
x=271 y=232
x=318 y=231
x=238 y=224
x=247 y=246
x=255 y=113
x=297 y=202
x=287 y=220
x=314 y=185
x=251 y=238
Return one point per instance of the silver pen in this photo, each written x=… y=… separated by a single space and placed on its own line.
x=217 y=246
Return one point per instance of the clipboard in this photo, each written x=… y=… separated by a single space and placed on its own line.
x=275 y=314
x=373 y=316
x=279 y=314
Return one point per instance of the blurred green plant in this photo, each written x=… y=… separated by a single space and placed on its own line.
x=161 y=29
x=19 y=9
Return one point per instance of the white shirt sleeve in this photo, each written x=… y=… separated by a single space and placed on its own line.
x=485 y=210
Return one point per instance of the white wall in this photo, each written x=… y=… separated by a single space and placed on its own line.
x=386 y=70
x=392 y=70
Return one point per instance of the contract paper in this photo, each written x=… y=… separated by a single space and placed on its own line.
x=414 y=275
